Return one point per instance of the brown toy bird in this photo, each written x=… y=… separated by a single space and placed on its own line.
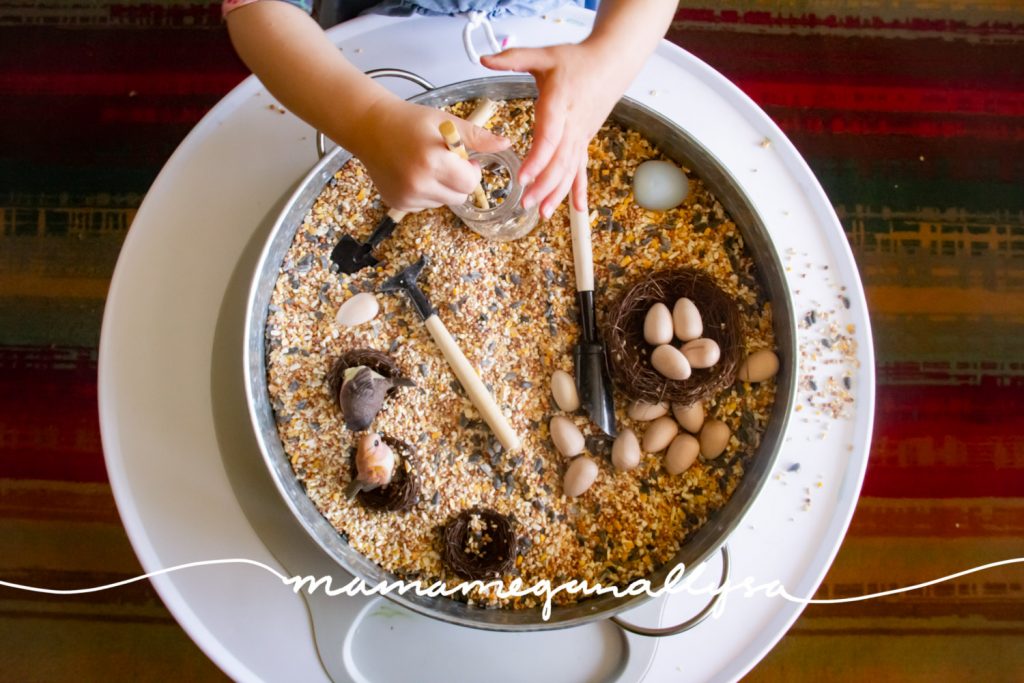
x=362 y=395
x=375 y=465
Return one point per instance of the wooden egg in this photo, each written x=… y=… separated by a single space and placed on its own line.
x=681 y=454
x=702 y=353
x=566 y=436
x=690 y=417
x=563 y=388
x=642 y=411
x=759 y=366
x=626 y=451
x=659 y=434
x=670 y=362
x=714 y=437
x=686 y=320
x=658 y=325
x=580 y=476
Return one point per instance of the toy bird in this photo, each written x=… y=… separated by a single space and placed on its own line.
x=375 y=465
x=362 y=395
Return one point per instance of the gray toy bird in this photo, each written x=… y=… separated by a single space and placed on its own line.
x=362 y=395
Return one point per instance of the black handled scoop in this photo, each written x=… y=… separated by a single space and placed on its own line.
x=592 y=380
x=351 y=255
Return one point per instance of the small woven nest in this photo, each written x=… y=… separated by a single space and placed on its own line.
x=630 y=355
x=496 y=544
x=378 y=361
x=404 y=490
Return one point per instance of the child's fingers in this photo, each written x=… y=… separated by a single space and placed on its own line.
x=457 y=175
x=480 y=139
x=549 y=128
x=555 y=198
x=518 y=59
x=559 y=171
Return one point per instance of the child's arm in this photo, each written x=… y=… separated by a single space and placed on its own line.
x=579 y=85
x=398 y=142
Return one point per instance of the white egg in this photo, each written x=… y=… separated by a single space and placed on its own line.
x=359 y=309
x=659 y=185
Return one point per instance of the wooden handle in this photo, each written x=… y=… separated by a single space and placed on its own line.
x=396 y=215
x=454 y=142
x=582 y=248
x=473 y=385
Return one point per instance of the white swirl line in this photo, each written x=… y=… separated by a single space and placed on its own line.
x=159 y=572
x=835 y=601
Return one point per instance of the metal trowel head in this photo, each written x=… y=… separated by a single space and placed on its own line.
x=594 y=385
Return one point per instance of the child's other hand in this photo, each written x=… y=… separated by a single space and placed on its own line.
x=578 y=86
x=408 y=160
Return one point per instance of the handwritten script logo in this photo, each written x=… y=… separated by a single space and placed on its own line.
x=676 y=582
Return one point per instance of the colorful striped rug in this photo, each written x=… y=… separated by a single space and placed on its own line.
x=911 y=112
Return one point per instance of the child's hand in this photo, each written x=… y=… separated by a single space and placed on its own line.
x=407 y=158
x=578 y=86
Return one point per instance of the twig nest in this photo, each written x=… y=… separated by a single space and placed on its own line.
x=659 y=434
x=682 y=453
x=563 y=388
x=670 y=362
x=630 y=355
x=626 y=451
x=690 y=417
x=403 y=491
x=359 y=309
x=566 y=436
x=642 y=411
x=579 y=476
x=479 y=544
x=658 y=325
x=714 y=437
x=759 y=366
